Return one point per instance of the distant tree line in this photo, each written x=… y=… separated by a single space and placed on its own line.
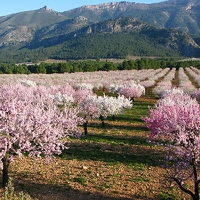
x=91 y=66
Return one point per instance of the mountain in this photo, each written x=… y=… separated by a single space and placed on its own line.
x=20 y=27
x=47 y=33
x=178 y=14
x=131 y=28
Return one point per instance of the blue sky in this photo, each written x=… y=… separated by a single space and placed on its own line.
x=15 y=6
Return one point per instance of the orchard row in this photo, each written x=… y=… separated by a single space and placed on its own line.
x=158 y=79
x=37 y=119
x=38 y=112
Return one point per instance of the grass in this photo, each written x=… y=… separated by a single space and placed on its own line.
x=80 y=179
x=164 y=196
x=114 y=162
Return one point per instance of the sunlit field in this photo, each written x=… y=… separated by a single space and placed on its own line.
x=114 y=161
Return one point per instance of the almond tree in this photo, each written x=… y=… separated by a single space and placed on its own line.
x=81 y=94
x=175 y=123
x=131 y=90
x=30 y=122
x=111 y=106
x=89 y=109
x=63 y=95
x=85 y=100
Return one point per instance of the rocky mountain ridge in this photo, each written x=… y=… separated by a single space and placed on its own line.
x=22 y=27
x=179 y=14
x=171 y=39
x=46 y=27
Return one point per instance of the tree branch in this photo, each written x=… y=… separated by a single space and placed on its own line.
x=182 y=188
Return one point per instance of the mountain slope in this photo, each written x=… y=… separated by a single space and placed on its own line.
x=24 y=26
x=20 y=27
x=124 y=34
x=142 y=29
x=179 y=14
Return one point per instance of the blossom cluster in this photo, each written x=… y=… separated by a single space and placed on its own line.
x=175 y=123
x=109 y=106
x=131 y=90
x=87 y=86
x=27 y=82
x=87 y=103
x=31 y=122
x=171 y=92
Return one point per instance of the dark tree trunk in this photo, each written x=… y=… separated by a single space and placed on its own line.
x=6 y=163
x=102 y=121
x=195 y=195
x=132 y=99
x=196 y=182
x=184 y=189
x=85 y=125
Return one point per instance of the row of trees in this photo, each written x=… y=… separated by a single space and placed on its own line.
x=91 y=66
x=37 y=120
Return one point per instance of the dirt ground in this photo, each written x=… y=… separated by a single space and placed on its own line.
x=134 y=171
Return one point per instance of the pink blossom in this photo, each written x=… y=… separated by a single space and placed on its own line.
x=175 y=123
x=131 y=90
x=31 y=122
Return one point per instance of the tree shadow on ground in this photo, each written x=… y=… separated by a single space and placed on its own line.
x=124 y=118
x=118 y=139
x=112 y=125
x=126 y=151
x=55 y=191
x=125 y=127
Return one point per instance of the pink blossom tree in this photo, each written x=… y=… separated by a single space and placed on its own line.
x=86 y=103
x=81 y=94
x=89 y=109
x=131 y=90
x=30 y=122
x=175 y=123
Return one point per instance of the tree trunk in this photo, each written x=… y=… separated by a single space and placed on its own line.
x=6 y=163
x=196 y=182
x=184 y=189
x=195 y=195
x=85 y=127
x=102 y=121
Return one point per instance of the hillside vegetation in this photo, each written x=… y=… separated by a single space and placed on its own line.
x=117 y=30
